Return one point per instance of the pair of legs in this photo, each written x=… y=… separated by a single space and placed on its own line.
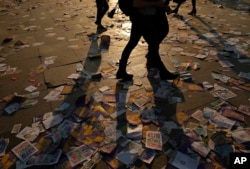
x=154 y=29
x=193 y=12
x=102 y=7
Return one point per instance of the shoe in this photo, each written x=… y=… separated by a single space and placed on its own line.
x=100 y=27
x=123 y=75
x=193 y=12
x=168 y=76
x=150 y=63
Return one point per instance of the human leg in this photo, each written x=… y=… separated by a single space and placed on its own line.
x=154 y=38
x=149 y=33
x=176 y=8
x=135 y=36
x=102 y=8
x=193 y=12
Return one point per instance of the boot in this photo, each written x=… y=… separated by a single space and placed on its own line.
x=164 y=73
x=193 y=12
x=150 y=62
x=121 y=73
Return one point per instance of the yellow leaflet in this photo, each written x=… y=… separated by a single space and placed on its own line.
x=99 y=139
x=87 y=141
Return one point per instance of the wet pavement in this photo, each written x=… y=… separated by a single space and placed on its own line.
x=51 y=89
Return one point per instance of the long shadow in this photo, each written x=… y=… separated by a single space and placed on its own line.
x=219 y=43
x=166 y=112
x=240 y=5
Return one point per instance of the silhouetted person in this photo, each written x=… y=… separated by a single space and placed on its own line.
x=102 y=7
x=180 y=2
x=151 y=23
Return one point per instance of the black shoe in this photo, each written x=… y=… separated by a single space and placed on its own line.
x=193 y=12
x=151 y=63
x=168 y=76
x=123 y=75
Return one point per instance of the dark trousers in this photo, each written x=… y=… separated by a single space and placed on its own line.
x=102 y=7
x=153 y=28
x=135 y=36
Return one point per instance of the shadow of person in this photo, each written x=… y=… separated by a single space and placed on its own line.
x=166 y=96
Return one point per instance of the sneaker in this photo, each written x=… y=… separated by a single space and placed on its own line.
x=100 y=27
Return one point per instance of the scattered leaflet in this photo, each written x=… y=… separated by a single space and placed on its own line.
x=90 y=163
x=12 y=107
x=154 y=140
x=108 y=148
x=201 y=56
x=200 y=148
x=79 y=154
x=133 y=118
x=41 y=159
x=130 y=153
x=50 y=60
x=54 y=94
x=24 y=150
x=244 y=75
x=198 y=115
x=16 y=128
x=220 y=77
x=183 y=161
x=201 y=130
x=206 y=85
x=30 y=88
x=161 y=94
x=225 y=64
x=66 y=127
x=104 y=89
x=4 y=142
x=52 y=121
x=223 y=93
x=74 y=76
x=134 y=131
x=244 y=109
x=231 y=112
x=148 y=155
x=28 y=133
x=38 y=125
x=148 y=115
x=168 y=126
x=241 y=135
x=222 y=121
x=141 y=100
x=109 y=97
x=47 y=115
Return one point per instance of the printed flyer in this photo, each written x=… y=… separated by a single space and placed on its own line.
x=24 y=150
x=154 y=140
x=79 y=154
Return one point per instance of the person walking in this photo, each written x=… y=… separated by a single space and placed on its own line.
x=151 y=23
x=180 y=2
x=102 y=8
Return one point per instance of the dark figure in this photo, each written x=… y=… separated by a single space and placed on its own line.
x=151 y=23
x=180 y=2
x=135 y=36
x=102 y=7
